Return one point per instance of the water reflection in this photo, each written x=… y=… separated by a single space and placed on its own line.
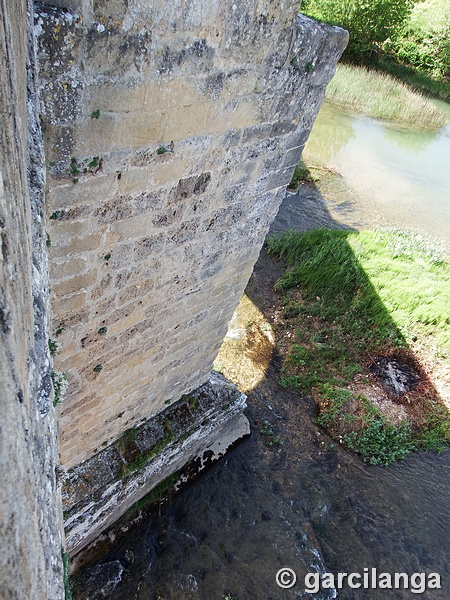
x=332 y=131
x=401 y=174
x=411 y=142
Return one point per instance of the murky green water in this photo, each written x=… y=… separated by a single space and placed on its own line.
x=306 y=504
x=400 y=175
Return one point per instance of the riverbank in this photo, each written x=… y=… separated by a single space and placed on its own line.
x=382 y=96
x=366 y=333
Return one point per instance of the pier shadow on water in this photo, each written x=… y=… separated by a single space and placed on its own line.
x=306 y=503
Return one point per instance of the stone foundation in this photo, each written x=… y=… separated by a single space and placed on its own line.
x=199 y=427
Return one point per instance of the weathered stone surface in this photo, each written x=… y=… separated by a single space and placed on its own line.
x=200 y=426
x=168 y=163
x=171 y=129
x=30 y=520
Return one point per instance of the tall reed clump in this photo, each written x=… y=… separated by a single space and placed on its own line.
x=379 y=95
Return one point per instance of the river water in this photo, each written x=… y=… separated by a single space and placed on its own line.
x=395 y=174
x=306 y=503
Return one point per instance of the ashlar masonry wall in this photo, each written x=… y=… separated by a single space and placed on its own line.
x=172 y=129
x=31 y=535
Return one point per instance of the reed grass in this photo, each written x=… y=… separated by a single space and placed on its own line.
x=380 y=95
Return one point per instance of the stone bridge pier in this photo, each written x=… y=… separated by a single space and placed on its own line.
x=165 y=133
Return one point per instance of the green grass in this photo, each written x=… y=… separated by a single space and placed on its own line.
x=382 y=96
x=418 y=80
x=349 y=297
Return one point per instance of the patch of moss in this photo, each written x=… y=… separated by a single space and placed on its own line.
x=156 y=494
x=67 y=572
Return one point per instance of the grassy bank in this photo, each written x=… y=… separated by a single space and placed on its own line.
x=419 y=81
x=349 y=300
x=379 y=95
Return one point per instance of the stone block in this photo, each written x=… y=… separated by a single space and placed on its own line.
x=138 y=130
x=75 y=284
x=76 y=246
x=62 y=306
x=67 y=268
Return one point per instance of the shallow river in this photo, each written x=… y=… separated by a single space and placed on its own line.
x=397 y=175
x=305 y=504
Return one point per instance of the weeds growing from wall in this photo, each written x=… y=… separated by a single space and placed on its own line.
x=60 y=384
x=68 y=584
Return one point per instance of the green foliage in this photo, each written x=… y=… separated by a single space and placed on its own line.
x=156 y=494
x=349 y=297
x=61 y=328
x=74 y=166
x=53 y=347
x=95 y=162
x=95 y=114
x=98 y=368
x=162 y=150
x=60 y=384
x=369 y=23
x=411 y=42
x=57 y=215
x=141 y=460
x=102 y=330
x=268 y=433
x=424 y=41
x=385 y=281
x=48 y=241
x=68 y=584
x=301 y=173
x=380 y=443
x=436 y=434
x=338 y=398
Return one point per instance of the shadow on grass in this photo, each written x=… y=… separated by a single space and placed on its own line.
x=338 y=341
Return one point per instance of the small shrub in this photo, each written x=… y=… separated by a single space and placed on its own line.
x=60 y=329
x=68 y=584
x=53 y=347
x=57 y=215
x=381 y=443
x=74 y=166
x=95 y=162
x=60 y=384
x=268 y=433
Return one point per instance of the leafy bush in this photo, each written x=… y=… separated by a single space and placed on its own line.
x=380 y=443
x=369 y=23
x=424 y=41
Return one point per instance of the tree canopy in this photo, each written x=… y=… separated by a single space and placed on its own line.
x=369 y=22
